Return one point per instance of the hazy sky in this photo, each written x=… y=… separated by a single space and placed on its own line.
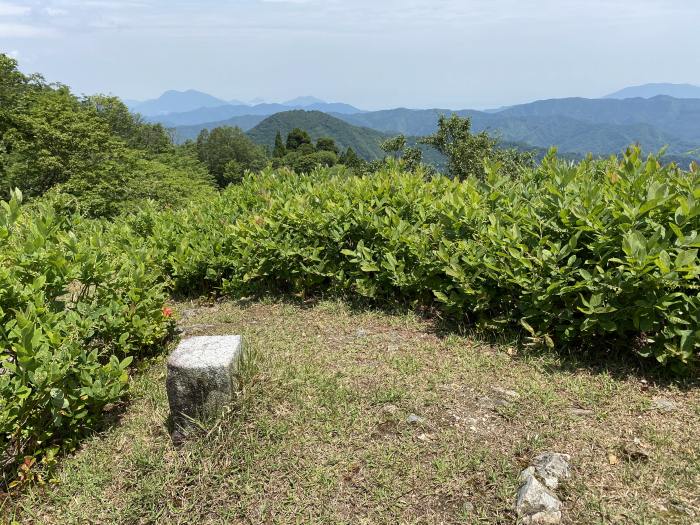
x=371 y=53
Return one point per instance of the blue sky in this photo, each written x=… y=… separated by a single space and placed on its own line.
x=371 y=53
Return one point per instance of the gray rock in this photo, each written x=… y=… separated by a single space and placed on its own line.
x=413 y=419
x=551 y=468
x=202 y=378
x=504 y=392
x=535 y=504
x=664 y=405
x=488 y=403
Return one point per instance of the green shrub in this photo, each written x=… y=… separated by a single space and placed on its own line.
x=73 y=311
x=594 y=252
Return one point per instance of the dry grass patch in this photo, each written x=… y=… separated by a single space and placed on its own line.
x=320 y=433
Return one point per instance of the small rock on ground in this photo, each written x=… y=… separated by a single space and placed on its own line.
x=551 y=467
x=535 y=504
x=664 y=405
x=414 y=419
x=510 y=394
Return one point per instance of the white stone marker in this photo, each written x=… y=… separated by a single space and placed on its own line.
x=202 y=378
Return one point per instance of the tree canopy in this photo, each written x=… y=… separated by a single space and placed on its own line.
x=91 y=148
x=228 y=153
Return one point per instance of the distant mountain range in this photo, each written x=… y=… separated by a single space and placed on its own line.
x=653 y=90
x=576 y=126
x=178 y=108
x=175 y=102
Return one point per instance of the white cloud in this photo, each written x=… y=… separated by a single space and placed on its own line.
x=13 y=30
x=13 y=9
x=54 y=11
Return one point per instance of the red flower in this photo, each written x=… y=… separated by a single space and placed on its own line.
x=167 y=311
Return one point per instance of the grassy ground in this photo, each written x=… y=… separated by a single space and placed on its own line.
x=319 y=434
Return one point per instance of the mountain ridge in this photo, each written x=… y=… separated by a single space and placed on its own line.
x=655 y=89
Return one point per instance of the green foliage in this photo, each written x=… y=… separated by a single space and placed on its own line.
x=327 y=144
x=228 y=153
x=74 y=310
x=279 y=150
x=350 y=159
x=394 y=146
x=575 y=254
x=466 y=152
x=411 y=157
x=92 y=149
x=131 y=128
x=364 y=141
x=296 y=138
x=301 y=155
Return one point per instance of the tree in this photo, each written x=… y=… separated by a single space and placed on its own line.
x=279 y=151
x=130 y=127
x=394 y=146
x=350 y=159
x=220 y=146
x=90 y=148
x=307 y=163
x=296 y=138
x=466 y=152
x=412 y=158
x=326 y=144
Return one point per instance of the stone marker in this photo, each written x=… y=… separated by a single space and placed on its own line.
x=536 y=503
x=202 y=378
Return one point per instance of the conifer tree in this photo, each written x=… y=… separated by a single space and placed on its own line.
x=279 y=151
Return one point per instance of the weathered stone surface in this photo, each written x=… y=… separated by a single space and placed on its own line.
x=505 y=393
x=414 y=419
x=535 y=504
x=202 y=377
x=664 y=405
x=551 y=467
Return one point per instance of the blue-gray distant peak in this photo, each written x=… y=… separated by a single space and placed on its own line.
x=178 y=101
x=654 y=90
x=302 y=102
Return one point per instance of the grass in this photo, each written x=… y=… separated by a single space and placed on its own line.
x=319 y=433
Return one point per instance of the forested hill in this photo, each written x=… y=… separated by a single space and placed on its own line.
x=364 y=141
x=573 y=125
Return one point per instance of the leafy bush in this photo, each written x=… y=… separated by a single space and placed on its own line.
x=598 y=251
x=74 y=310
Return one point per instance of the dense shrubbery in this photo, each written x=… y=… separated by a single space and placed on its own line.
x=73 y=312
x=572 y=253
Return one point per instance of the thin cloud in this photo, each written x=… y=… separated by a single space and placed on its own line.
x=13 y=9
x=14 y=30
